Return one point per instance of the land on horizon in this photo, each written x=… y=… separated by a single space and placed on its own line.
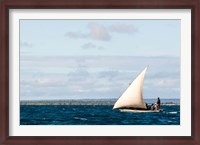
x=91 y=102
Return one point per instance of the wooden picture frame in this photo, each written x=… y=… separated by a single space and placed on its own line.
x=6 y=5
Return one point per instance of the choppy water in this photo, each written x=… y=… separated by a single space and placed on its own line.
x=95 y=115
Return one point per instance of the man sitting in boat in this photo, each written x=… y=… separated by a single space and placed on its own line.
x=154 y=106
x=147 y=106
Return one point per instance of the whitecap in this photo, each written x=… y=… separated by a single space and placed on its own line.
x=172 y=112
x=83 y=119
x=78 y=118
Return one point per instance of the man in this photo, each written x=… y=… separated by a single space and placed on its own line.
x=158 y=102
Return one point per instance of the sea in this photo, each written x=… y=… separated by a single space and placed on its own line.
x=97 y=115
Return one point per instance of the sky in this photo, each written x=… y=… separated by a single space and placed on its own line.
x=98 y=59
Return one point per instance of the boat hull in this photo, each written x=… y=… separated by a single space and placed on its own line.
x=132 y=110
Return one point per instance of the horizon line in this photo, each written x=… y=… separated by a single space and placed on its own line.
x=86 y=99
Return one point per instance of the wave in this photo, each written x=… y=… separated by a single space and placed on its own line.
x=172 y=112
x=79 y=118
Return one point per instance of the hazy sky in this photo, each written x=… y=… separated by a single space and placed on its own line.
x=71 y=59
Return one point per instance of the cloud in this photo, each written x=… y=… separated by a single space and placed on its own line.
x=95 y=76
x=123 y=28
x=42 y=86
x=101 y=48
x=98 y=32
x=26 y=44
x=76 y=35
x=167 y=83
x=90 y=45
x=123 y=63
x=165 y=74
x=110 y=74
x=78 y=75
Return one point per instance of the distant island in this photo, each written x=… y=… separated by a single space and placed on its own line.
x=166 y=102
x=68 y=102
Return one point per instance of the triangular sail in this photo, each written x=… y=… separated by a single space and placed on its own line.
x=132 y=97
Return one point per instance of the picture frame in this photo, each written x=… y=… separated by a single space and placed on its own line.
x=95 y=4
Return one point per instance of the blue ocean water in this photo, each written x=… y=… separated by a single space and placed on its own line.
x=94 y=115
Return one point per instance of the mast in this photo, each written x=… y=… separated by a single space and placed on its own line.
x=132 y=97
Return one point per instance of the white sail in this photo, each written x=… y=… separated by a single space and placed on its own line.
x=132 y=97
